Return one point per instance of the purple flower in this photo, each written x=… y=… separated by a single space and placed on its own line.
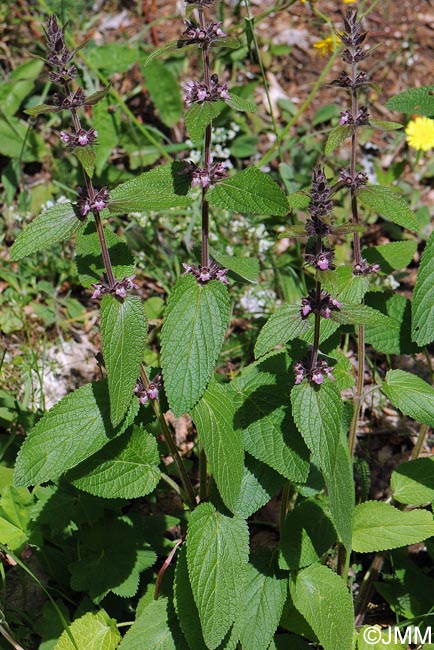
x=119 y=289
x=204 y=177
x=314 y=374
x=151 y=392
x=204 y=274
x=323 y=304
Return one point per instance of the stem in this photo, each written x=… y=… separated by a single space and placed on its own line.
x=206 y=151
x=186 y=483
x=359 y=389
x=202 y=474
x=9 y=639
x=164 y=568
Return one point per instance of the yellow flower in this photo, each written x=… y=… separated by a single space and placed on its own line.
x=325 y=46
x=349 y=2
x=420 y=133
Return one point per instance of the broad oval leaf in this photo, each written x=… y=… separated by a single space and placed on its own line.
x=379 y=526
x=87 y=158
x=240 y=104
x=360 y=315
x=92 y=631
x=389 y=205
x=413 y=482
x=74 y=429
x=422 y=327
x=336 y=136
x=191 y=339
x=185 y=606
x=123 y=334
x=250 y=191
x=323 y=599
x=198 y=116
x=155 y=629
x=163 y=87
x=317 y=413
x=242 y=269
x=53 y=225
x=341 y=493
x=385 y=125
x=411 y=395
x=284 y=325
x=414 y=100
x=222 y=441
x=391 y=256
x=217 y=554
x=259 y=483
x=125 y=468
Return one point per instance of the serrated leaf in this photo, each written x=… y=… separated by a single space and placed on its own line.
x=217 y=554
x=15 y=517
x=413 y=482
x=86 y=157
x=97 y=96
x=125 y=468
x=198 y=116
x=170 y=46
x=88 y=257
x=317 y=414
x=250 y=191
x=240 y=104
x=414 y=100
x=243 y=269
x=163 y=87
x=395 y=338
x=379 y=526
x=264 y=595
x=336 y=136
x=258 y=485
x=42 y=109
x=422 y=327
x=112 y=557
x=384 y=125
x=155 y=629
x=284 y=325
x=123 y=334
x=388 y=204
x=391 y=256
x=93 y=631
x=158 y=189
x=323 y=599
x=411 y=395
x=222 y=442
x=185 y=606
x=299 y=200
x=192 y=335
x=270 y=435
x=53 y=225
x=360 y=315
x=74 y=429
x=307 y=533
x=340 y=488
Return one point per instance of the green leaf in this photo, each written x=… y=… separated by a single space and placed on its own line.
x=360 y=315
x=18 y=140
x=411 y=395
x=19 y=85
x=385 y=125
x=74 y=429
x=86 y=157
x=198 y=116
x=415 y=100
x=317 y=414
x=284 y=325
x=340 y=488
x=389 y=205
x=270 y=435
x=423 y=298
x=240 y=104
x=217 y=554
x=113 y=58
x=299 y=201
x=395 y=338
x=380 y=526
x=336 y=136
x=322 y=597
x=170 y=46
x=258 y=485
x=264 y=595
x=42 y=109
x=88 y=257
x=391 y=256
x=384 y=640
x=112 y=557
x=158 y=189
x=155 y=629
x=123 y=334
x=192 y=335
x=125 y=468
x=185 y=606
x=250 y=191
x=163 y=87
x=413 y=482
x=92 y=631
x=53 y=225
x=243 y=269
x=306 y=535
x=15 y=517
x=97 y=96
x=223 y=444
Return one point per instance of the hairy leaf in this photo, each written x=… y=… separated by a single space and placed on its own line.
x=423 y=298
x=125 y=468
x=411 y=395
x=395 y=338
x=240 y=104
x=92 y=631
x=414 y=100
x=123 y=334
x=340 y=487
x=185 y=606
x=250 y=191
x=74 y=429
x=258 y=485
x=221 y=440
x=360 y=315
x=217 y=554
x=284 y=325
x=322 y=597
x=413 y=482
x=192 y=335
x=391 y=256
x=198 y=116
x=86 y=157
x=385 y=125
x=242 y=269
x=163 y=87
x=389 y=205
x=336 y=136
x=379 y=526
x=53 y=225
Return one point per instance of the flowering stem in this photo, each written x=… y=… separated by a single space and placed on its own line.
x=207 y=150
